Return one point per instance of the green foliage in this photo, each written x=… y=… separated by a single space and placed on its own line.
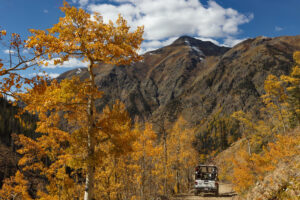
x=9 y=123
x=220 y=131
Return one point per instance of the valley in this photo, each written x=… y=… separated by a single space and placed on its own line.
x=187 y=116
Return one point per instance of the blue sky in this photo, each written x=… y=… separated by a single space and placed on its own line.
x=226 y=22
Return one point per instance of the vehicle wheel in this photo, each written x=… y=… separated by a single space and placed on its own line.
x=196 y=193
x=217 y=192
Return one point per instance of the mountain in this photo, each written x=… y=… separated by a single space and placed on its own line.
x=194 y=78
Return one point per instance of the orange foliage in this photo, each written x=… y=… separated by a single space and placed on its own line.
x=281 y=114
x=15 y=188
x=86 y=37
x=250 y=169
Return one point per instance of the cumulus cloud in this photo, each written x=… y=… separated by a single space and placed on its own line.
x=209 y=39
x=71 y=63
x=51 y=75
x=155 y=44
x=230 y=41
x=173 y=18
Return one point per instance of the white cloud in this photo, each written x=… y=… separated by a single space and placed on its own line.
x=51 y=75
x=7 y=51
x=230 y=41
x=45 y=11
x=71 y=63
x=278 y=28
x=208 y=39
x=40 y=74
x=155 y=44
x=164 y=19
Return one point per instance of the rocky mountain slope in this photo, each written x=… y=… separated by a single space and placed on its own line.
x=194 y=78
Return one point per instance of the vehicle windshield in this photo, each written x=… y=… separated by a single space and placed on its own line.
x=206 y=173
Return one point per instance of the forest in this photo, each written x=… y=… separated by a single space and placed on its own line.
x=67 y=149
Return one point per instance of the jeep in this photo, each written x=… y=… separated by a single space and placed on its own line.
x=206 y=179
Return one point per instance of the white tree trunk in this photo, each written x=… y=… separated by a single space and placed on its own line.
x=89 y=180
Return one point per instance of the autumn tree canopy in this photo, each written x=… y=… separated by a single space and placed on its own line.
x=88 y=38
x=271 y=139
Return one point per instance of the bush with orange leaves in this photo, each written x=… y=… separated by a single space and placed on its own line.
x=249 y=169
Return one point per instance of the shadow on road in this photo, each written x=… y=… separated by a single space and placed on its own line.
x=227 y=194
x=221 y=195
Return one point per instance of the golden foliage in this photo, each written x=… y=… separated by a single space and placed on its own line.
x=280 y=115
x=182 y=156
x=60 y=153
x=15 y=188
x=85 y=36
x=250 y=169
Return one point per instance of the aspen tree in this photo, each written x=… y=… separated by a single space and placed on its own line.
x=110 y=172
x=144 y=158
x=88 y=38
x=280 y=115
x=58 y=155
x=182 y=155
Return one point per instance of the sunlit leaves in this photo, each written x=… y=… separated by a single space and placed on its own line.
x=280 y=115
x=87 y=37
x=182 y=156
x=15 y=188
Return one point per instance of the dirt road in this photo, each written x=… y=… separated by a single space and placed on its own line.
x=226 y=193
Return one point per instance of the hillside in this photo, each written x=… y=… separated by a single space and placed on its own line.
x=8 y=125
x=279 y=182
x=190 y=77
x=194 y=78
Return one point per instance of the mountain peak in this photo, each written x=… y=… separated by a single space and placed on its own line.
x=207 y=47
x=173 y=80
x=186 y=40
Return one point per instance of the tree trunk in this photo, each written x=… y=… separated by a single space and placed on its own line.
x=165 y=161
x=89 y=180
x=177 y=169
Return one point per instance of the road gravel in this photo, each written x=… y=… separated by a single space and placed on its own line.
x=226 y=193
